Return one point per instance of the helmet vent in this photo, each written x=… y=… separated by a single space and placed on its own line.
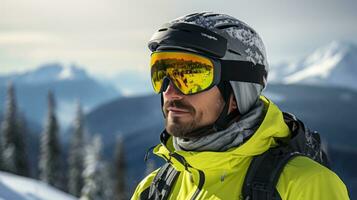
x=211 y=15
x=190 y=15
x=234 y=52
x=232 y=25
x=163 y=29
x=227 y=26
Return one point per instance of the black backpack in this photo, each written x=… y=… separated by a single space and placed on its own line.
x=264 y=170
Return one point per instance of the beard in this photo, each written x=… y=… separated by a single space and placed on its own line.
x=178 y=127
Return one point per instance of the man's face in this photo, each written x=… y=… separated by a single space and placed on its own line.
x=185 y=113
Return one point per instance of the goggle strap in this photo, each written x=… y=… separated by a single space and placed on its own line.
x=232 y=70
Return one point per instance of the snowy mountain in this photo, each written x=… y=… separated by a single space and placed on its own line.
x=69 y=84
x=332 y=65
x=48 y=73
x=13 y=187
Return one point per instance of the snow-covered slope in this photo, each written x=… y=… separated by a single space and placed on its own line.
x=13 y=187
x=334 y=64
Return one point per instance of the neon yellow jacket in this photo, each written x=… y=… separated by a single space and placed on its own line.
x=220 y=175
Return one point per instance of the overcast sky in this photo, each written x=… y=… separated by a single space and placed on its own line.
x=109 y=36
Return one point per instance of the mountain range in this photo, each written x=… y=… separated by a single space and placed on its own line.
x=334 y=64
x=69 y=85
x=47 y=73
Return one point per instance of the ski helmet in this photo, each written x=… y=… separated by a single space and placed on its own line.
x=227 y=39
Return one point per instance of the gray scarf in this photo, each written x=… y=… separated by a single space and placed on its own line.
x=223 y=140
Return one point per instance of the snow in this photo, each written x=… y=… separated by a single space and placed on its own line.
x=320 y=64
x=48 y=73
x=66 y=73
x=13 y=187
x=332 y=65
x=322 y=68
x=278 y=72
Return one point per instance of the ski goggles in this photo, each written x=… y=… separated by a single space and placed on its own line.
x=192 y=73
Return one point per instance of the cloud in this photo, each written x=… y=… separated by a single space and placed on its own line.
x=111 y=35
x=27 y=38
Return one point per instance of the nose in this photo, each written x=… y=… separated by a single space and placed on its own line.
x=171 y=93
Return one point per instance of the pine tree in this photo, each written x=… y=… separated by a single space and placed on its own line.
x=9 y=131
x=13 y=145
x=120 y=170
x=76 y=154
x=2 y=167
x=50 y=157
x=107 y=181
x=95 y=173
x=22 y=163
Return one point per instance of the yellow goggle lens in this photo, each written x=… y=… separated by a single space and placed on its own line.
x=191 y=73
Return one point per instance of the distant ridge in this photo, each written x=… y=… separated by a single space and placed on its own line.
x=332 y=65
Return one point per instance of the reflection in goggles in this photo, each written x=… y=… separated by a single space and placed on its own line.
x=190 y=73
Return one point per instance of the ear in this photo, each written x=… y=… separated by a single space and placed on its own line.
x=232 y=103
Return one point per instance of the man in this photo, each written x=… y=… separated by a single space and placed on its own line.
x=210 y=70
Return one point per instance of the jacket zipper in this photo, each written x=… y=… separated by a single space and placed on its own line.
x=201 y=175
x=200 y=184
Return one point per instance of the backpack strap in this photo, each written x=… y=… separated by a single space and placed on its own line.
x=161 y=186
x=264 y=172
x=306 y=141
x=265 y=169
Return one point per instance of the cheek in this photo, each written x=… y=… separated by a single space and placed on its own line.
x=210 y=111
x=218 y=107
